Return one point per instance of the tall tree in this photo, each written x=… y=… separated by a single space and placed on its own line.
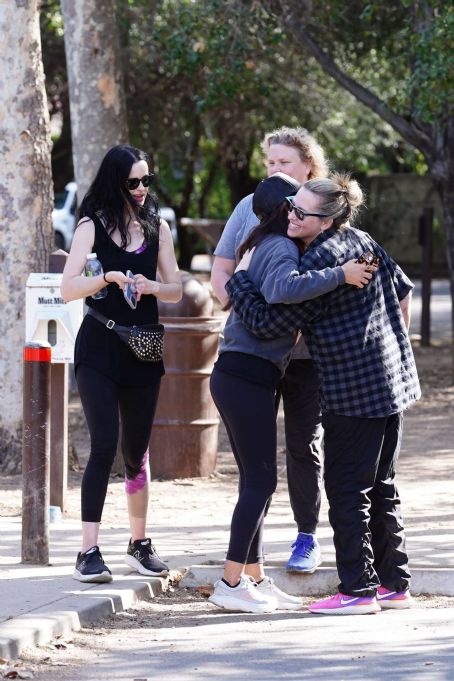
x=203 y=82
x=413 y=91
x=194 y=83
x=96 y=93
x=26 y=200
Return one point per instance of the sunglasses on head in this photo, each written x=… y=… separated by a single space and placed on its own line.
x=133 y=182
x=299 y=212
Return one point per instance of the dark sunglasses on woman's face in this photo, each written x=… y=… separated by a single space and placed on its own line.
x=133 y=182
x=299 y=212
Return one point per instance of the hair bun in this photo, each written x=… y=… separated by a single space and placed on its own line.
x=348 y=188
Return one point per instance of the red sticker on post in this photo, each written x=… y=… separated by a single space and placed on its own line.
x=37 y=354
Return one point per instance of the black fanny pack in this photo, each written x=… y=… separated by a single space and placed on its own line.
x=146 y=342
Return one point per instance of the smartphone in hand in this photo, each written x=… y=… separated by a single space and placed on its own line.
x=129 y=291
x=369 y=258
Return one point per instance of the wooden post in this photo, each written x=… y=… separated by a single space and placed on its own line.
x=35 y=453
x=59 y=414
x=59 y=435
x=426 y=241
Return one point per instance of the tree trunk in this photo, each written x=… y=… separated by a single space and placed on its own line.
x=208 y=184
x=446 y=189
x=187 y=240
x=62 y=156
x=239 y=180
x=442 y=170
x=98 y=110
x=26 y=200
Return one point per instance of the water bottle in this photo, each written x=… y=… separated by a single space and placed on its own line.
x=92 y=268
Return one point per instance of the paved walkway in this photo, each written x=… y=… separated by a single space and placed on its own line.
x=190 y=528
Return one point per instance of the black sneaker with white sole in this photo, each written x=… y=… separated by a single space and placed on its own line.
x=90 y=567
x=142 y=557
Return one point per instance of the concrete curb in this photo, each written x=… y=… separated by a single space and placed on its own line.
x=75 y=610
x=81 y=607
x=431 y=581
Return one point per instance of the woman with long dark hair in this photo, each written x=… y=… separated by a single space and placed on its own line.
x=296 y=152
x=119 y=221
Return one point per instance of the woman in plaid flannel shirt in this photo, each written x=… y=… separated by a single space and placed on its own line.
x=359 y=341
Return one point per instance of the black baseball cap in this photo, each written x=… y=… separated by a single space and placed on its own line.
x=271 y=192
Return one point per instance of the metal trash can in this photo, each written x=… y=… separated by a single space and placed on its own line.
x=184 y=439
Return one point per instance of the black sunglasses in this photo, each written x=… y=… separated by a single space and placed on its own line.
x=133 y=182
x=300 y=213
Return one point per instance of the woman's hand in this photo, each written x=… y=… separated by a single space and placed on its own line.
x=145 y=286
x=245 y=261
x=358 y=274
x=114 y=277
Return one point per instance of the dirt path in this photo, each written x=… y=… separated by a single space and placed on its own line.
x=430 y=421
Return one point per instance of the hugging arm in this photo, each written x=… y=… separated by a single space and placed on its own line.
x=262 y=319
x=285 y=284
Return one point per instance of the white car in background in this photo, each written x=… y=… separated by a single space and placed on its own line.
x=64 y=217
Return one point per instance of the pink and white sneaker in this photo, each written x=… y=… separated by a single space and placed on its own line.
x=399 y=600
x=342 y=604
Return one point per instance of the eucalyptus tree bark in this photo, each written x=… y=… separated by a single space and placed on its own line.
x=26 y=200
x=97 y=102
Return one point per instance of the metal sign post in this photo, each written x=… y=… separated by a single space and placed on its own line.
x=35 y=453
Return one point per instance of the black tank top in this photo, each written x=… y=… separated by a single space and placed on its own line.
x=100 y=348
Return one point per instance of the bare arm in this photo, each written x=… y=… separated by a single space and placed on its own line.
x=169 y=289
x=222 y=270
x=405 y=306
x=74 y=284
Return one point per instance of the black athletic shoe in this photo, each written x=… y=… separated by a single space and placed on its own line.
x=142 y=557
x=90 y=567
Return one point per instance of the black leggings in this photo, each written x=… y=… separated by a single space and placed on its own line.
x=102 y=400
x=248 y=412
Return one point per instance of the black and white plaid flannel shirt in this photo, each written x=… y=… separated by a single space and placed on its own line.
x=357 y=337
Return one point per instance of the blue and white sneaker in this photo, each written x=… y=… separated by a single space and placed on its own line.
x=306 y=554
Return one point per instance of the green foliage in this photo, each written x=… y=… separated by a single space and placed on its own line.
x=206 y=79
x=223 y=71
x=402 y=49
x=195 y=82
x=212 y=43
x=51 y=18
x=432 y=79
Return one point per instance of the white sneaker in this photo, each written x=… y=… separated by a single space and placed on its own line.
x=245 y=597
x=284 y=601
